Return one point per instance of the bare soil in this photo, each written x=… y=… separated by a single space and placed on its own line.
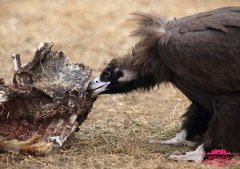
x=118 y=129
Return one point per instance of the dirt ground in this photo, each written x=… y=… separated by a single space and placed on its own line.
x=92 y=32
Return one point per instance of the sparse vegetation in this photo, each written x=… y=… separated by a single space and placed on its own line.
x=118 y=129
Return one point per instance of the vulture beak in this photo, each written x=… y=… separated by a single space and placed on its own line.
x=96 y=86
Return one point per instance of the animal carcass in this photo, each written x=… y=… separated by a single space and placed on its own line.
x=45 y=104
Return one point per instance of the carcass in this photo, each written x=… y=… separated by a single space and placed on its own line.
x=45 y=104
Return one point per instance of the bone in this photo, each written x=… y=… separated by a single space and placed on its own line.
x=56 y=139
x=41 y=45
x=16 y=62
x=3 y=97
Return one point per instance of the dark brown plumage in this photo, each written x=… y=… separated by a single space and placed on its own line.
x=199 y=55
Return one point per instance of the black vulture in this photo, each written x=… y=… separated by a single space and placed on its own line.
x=199 y=55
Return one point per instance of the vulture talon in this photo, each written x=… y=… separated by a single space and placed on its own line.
x=179 y=139
x=197 y=155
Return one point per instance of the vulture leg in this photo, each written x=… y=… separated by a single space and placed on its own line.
x=223 y=129
x=222 y=132
x=195 y=120
x=197 y=155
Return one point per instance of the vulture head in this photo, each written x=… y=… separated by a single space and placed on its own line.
x=117 y=77
x=122 y=75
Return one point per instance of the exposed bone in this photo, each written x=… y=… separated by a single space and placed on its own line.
x=41 y=45
x=3 y=96
x=72 y=118
x=16 y=62
x=56 y=139
x=25 y=64
x=197 y=155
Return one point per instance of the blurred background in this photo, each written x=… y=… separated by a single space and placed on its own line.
x=93 y=32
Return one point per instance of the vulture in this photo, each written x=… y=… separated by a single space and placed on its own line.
x=200 y=56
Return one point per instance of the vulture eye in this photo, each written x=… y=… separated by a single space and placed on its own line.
x=107 y=74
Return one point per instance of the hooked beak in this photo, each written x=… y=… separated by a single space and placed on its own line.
x=96 y=87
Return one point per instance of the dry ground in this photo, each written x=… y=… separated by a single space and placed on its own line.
x=117 y=131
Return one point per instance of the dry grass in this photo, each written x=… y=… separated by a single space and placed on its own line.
x=117 y=131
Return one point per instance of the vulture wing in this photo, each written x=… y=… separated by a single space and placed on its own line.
x=204 y=49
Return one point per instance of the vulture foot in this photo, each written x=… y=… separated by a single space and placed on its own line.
x=197 y=155
x=179 y=139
